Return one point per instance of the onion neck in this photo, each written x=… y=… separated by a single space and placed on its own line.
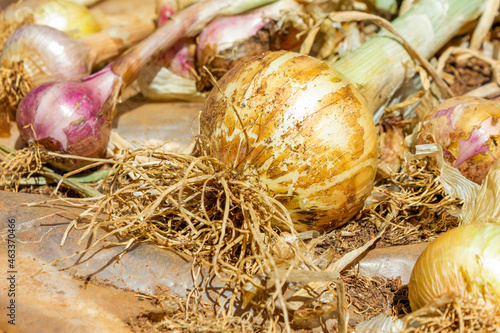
x=382 y=64
x=109 y=43
x=187 y=22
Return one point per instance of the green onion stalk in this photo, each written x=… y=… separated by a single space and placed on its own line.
x=381 y=65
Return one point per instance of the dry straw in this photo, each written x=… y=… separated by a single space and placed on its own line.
x=413 y=203
x=201 y=207
x=14 y=82
x=451 y=314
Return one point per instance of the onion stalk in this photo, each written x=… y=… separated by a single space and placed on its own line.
x=63 y=103
x=48 y=54
x=381 y=65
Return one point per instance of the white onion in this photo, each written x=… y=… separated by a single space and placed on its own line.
x=47 y=54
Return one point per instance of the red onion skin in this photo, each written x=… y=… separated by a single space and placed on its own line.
x=165 y=11
x=178 y=58
x=224 y=32
x=467 y=128
x=72 y=117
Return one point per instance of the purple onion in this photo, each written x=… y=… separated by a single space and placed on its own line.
x=73 y=117
x=468 y=130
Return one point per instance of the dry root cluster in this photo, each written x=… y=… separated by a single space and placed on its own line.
x=411 y=201
x=200 y=207
x=20 y=165
x=177 y=314
x=453 y=314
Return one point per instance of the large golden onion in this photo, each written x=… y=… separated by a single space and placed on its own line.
x=311 y=139
x=464 y=261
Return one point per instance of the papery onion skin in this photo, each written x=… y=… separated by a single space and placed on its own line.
x=171 y=76
x=165 y=9
x=312 y=141
x=69 y=117
x=468 y=130
x=464 y=260
x=47 y=54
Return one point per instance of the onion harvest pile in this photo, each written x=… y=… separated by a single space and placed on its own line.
x=290 y=120
x=300 y=127
x=81 y=112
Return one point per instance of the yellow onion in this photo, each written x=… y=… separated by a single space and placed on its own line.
x=70 y=17
x=302 y=128
x=464 y=261
x=85 y=2
x=468 y=129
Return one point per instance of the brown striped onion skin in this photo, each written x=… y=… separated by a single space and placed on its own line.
x=464 y=260
x=311 y=140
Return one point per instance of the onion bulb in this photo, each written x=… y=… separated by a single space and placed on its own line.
x=70 y=17
x=302 y=129
x=172 y=76
x=464 y=261
x=47 y=54
x=69 y=117
x=468 y=130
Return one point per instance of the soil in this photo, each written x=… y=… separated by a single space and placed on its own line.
x=468 y=75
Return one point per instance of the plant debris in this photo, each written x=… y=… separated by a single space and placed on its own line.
x=451 y=314
x=14 y=85
x=178 y=314
x=201 y=207
x=14 y=82
x=413 y=203
x=20 y=167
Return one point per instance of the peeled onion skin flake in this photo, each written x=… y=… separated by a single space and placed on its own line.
x=468 y=130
